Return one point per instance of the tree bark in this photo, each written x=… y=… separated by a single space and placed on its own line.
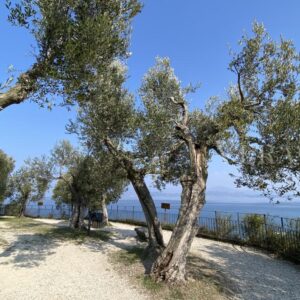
x=22 y=210
x=156 y=241
x=171 y=264
x=23 y=205
x=74 y=220
x=78 y=212
x=137 y=179
x=77 y=218
x=25 y=85
x=104 y=211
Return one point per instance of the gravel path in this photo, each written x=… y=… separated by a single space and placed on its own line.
x=35 y=268
x=252 y=275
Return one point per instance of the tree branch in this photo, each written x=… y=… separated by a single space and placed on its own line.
x=25 y=85
x=218 y=151
x=184 y=108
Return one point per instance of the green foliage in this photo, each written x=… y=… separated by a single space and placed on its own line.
x=90 y=178
x=224 y=226
x=13 y=208
x=61 y=192
x=6 y=167
x=75 y=40
x=253 y=228
x=261 y=117
x=30 y=182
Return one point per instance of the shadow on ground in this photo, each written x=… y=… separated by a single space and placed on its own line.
x=254 y=274
x=30 y=242
x=28 y=250
x=240 y=271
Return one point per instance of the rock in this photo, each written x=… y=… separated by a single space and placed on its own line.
x=142 y=233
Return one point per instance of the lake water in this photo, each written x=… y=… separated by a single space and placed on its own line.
x=235 y=209
x=285 y=209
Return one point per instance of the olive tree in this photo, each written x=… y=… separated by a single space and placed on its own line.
x=88 y=183
x=28 y=183
x=74 y=40
x=6 y=167
x=267 y=78
x=112 y=121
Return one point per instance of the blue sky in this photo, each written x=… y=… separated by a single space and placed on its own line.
x=196 y=35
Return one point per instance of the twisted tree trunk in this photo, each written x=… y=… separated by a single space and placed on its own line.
x=170 y=265
x=137 y=179
x=78 y=211
x=23 y=208
x=77 y=217
x=156 y=241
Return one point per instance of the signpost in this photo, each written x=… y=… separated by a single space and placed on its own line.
x=165 y=206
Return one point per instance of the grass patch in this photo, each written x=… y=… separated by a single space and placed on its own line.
x=132 y=261
x=129 y=256
x=77 y=235
x=151 y=284
x=17 y=223
x=49 y=231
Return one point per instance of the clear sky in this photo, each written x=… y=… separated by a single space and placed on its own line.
x=195 y=34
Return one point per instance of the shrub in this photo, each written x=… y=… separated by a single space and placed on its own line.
x=253 y=229
x=224 y=227
x=12 y=209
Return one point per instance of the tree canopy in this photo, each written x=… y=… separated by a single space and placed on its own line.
x=6 y=167
x=75 y=40
x=28 y=183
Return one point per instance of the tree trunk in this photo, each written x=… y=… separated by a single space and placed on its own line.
x=25 y=85
x=170 y=265
x=23 y=206
x=77 y=217
x=74 y=220
x=22 y=210
x=137 y=179
x=156 y=241
x=104 y=211
x=82 y=215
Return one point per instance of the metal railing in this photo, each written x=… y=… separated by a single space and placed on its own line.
x=249 y=229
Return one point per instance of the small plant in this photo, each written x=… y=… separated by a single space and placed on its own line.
x=253 y=229
x=224 y=227
x=150 y=284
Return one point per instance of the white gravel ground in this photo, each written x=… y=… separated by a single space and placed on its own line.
x=60 y=271
x=254 y=274
x=43 y=270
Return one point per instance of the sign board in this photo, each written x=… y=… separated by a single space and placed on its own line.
x=165 y=205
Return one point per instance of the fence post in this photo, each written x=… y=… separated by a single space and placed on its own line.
x=239 y=225
x=117 y=216
x=216 y=222
x=282 y=226
x=266 y=230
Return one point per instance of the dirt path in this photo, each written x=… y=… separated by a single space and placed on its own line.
x=34 y=268
x=252 y=274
